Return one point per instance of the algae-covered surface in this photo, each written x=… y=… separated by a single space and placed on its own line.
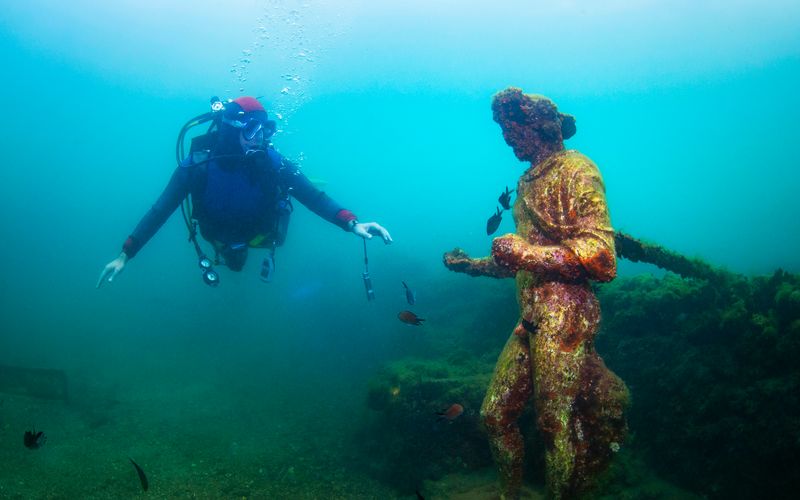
x=714 y=378
x=199 y=449
x=711 y=372
x=302 y=388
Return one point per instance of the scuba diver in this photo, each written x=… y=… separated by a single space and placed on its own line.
x=237 y=189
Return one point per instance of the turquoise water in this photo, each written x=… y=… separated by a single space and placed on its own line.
x=689 y=111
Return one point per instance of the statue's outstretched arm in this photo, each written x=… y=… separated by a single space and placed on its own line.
x=513 y=253
x=457 y=260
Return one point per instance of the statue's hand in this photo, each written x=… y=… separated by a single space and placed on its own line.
x=457 y=259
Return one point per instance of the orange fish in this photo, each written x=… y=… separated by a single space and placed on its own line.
x=451 y=413
x=410 y=318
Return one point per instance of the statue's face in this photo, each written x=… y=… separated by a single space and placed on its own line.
x=530 y=123
x=524 y=140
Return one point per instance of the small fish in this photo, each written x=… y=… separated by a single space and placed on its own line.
x=34 y=440
x=410 y=318
x=142 y=477
x=451 y=413
x=411 y=297
x=419 y=495
x=505 y=198
x=494 y=222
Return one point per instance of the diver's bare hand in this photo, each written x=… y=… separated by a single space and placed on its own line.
x=367 y=229
x=112 y=269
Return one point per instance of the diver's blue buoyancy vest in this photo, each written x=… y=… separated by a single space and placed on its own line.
x=244 y=203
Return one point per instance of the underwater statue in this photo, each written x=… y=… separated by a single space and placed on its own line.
x=564 y=240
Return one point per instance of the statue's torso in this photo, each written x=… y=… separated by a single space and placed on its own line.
x=551 y=209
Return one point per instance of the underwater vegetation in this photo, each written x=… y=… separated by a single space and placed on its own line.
x=407 y=436
x=712 y=368
x=714 y=376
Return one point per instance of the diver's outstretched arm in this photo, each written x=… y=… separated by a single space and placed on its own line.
x=457 y=260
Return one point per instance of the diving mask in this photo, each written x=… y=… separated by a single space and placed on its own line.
x=252 y=127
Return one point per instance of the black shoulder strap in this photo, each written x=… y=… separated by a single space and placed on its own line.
x=199 y=178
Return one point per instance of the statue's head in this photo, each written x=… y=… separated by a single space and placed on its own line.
x=531 y=124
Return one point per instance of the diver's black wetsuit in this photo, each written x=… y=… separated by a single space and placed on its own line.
x=236 y=201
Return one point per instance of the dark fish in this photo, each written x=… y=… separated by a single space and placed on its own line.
x=34 y=440
x=529 y=326
x=494 y=222
x=411 y=297
x=410 y=318
x=505 y=198
x=142 y=477
x=419 y=495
